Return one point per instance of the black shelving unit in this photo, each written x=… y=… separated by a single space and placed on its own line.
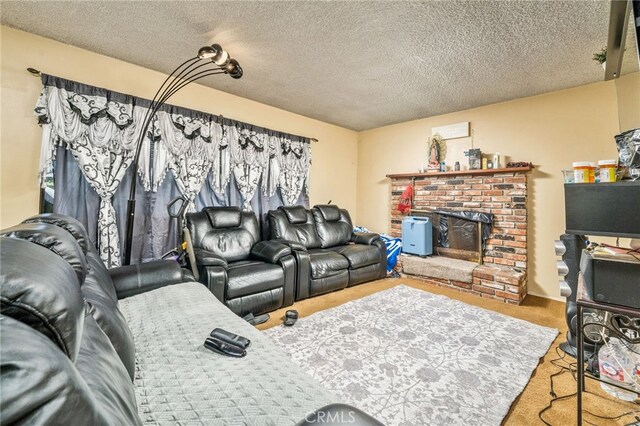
x=599 y=209
x=619 y=318
x=603 y=209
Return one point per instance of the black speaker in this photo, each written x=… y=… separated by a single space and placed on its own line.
x=570 y=247
x=608 y=280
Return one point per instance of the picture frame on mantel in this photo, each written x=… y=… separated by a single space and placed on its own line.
x=453 y=131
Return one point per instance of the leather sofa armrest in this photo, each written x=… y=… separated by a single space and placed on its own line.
x=269 y=251
x=367 y=238
x=215 y=278
x=206 y=258
x=135 y=279
x=338 y=414
x=291 y=244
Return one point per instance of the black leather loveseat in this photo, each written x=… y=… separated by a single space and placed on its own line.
x=329 y=255
x=67 y=352
x=248 y=275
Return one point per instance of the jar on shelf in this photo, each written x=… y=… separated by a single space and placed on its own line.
x=581 y=172
x=592 y=172
x=608 y=170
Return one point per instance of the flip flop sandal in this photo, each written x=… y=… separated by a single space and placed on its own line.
x=256 y=320
x=260 y=319
x=290 y=317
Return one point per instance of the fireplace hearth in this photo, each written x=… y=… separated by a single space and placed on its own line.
x=501 y=194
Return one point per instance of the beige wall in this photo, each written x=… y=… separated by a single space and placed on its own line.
x=550 y=130
x=628 y=90
x=333 y=173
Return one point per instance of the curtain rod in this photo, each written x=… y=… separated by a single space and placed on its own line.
x=37 y=73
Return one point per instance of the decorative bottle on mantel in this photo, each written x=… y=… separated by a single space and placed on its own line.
x=496 y=160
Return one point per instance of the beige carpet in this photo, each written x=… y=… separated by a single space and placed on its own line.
x=524 y=411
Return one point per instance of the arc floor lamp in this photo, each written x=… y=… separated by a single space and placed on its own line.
x=211 y=60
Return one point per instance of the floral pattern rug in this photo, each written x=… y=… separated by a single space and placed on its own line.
x=409 y=357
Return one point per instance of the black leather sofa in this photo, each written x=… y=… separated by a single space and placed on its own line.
x=66 y=351
x=68 y=355
x=329 y=255
x=248 y=275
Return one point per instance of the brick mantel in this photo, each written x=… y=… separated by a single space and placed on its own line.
x=501 y=192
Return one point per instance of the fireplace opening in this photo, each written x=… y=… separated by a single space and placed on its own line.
x=459 y=234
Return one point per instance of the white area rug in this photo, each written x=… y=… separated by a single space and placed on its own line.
x=409 y=357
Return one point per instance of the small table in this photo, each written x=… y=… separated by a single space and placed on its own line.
x=614 y=315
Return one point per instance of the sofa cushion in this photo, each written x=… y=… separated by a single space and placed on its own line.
x=223 y=217
x=206 y=258
x=325 y=263
x=97 y=288
x=95 y=266
x=101 y=368
x=39 y=383
x=249 y=277
x=232 y=243
x=295 y=214
x=42 y=294
x=69 y=224
x=257 y=303
x=338 y=281
x=333 y=225
x=359 y=255
x=55 y=239
x=110 y=319
x=329 y=212
x=366 y=273
x=99 y=271
x=300 y=232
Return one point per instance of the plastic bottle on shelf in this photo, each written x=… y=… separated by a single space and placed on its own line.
x=592 y=172
x=581 y=172
x=613 y=359
x=608 y=170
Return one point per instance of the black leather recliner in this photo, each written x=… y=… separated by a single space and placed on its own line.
x=329 y=255
x=248 y=275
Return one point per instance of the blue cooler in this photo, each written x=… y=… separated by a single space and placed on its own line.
x=417 y=235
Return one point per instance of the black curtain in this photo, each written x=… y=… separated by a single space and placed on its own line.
x=155 y=232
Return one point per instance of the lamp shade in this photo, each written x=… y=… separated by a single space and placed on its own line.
x=221 y=59
x=206 y=52
x=234 y=69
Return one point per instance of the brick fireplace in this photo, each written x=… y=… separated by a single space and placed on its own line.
x=501 y=192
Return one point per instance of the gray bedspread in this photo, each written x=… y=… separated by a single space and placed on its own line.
x=179 y=381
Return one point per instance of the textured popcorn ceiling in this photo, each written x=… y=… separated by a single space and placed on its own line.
x=359 y=65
